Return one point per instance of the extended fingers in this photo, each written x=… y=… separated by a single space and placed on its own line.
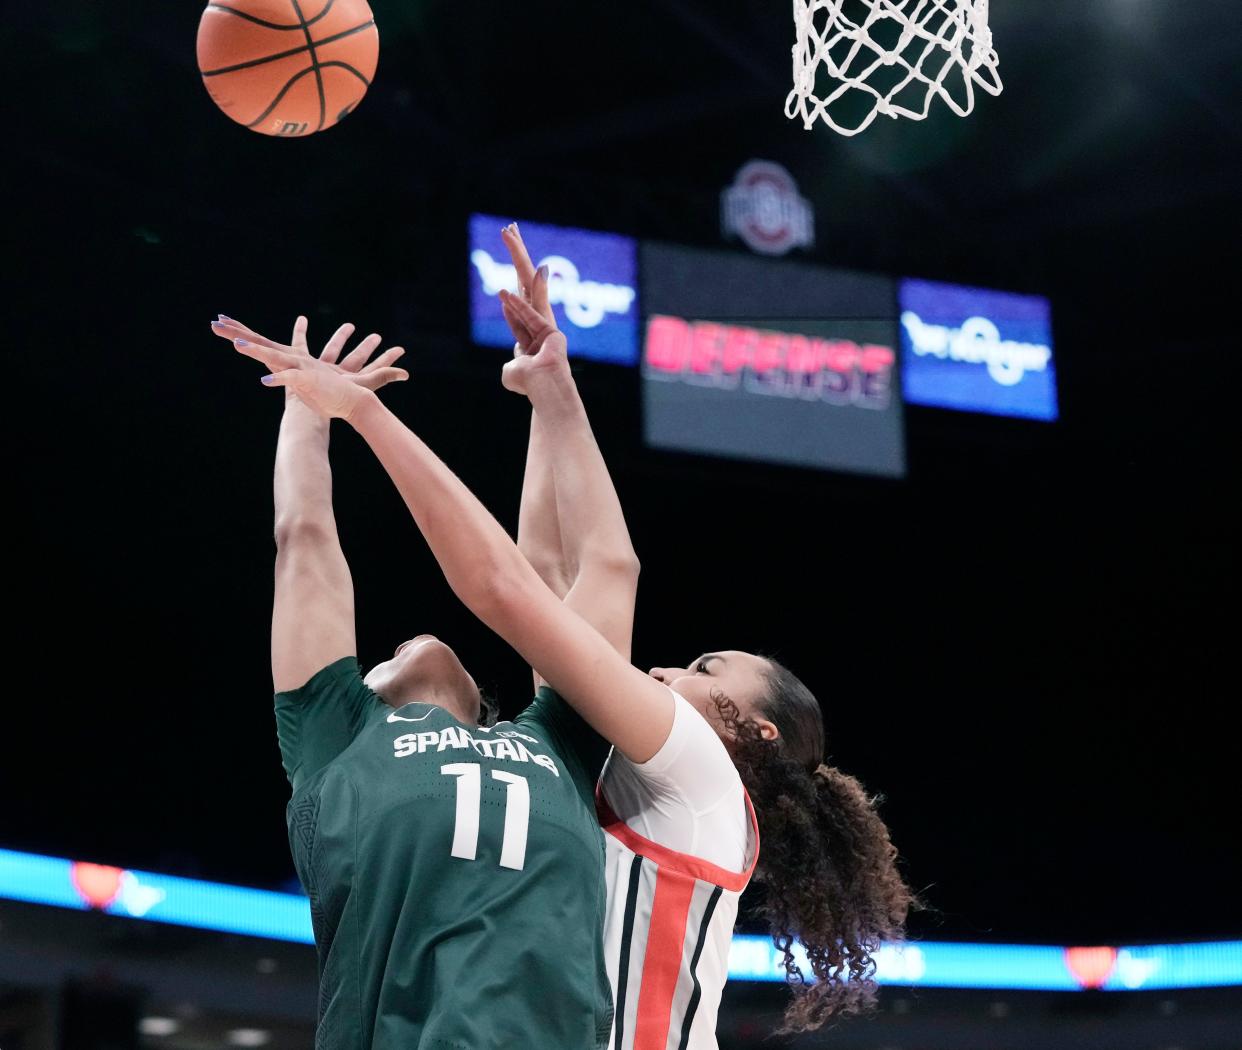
x=385 y=359
x=299 y=332
x=539 y=294
x=521 y=332
x=373 y=379
x=526 y=315
x=276 y=360
x=337 y=343
x=520 y=256
x=227 y=328
x=360 y=354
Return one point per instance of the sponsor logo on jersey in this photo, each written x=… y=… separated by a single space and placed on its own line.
x=504 y=745
x=394 y=717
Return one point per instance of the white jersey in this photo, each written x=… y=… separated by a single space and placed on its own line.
x=682 y=842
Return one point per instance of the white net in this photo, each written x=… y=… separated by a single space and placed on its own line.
x=890 y=57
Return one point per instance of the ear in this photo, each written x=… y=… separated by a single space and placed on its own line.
x=767 y=729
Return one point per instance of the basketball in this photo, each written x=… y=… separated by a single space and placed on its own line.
x=287 y=67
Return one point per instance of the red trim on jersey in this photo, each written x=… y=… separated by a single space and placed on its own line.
x=670 y=859
x=666 y=937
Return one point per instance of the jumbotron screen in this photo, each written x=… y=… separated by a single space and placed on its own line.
x=592 y=286
x=977 y=350
x=778 y=362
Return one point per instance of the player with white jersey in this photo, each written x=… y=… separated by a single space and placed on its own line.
x=694 y=748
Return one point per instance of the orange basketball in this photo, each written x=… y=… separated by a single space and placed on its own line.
x=287 y=67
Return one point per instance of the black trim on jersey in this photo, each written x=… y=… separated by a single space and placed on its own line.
x=694 y=966
x=627 y=935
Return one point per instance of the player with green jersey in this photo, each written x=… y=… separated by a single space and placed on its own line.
x=455 y=870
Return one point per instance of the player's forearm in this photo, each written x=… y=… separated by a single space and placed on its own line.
x=592 y=524
x=473 y=551
x=539 y=534
x=302 y=484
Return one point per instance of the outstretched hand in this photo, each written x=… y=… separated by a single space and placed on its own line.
x=539 y=349
x=330 y=388
x=357 y=366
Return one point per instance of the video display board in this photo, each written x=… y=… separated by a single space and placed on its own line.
x=977 y=350
x=779 y=362
x=592 y=286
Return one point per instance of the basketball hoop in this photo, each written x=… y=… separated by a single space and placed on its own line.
x=889 y=57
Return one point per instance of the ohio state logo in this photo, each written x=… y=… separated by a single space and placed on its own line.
x=763 y=208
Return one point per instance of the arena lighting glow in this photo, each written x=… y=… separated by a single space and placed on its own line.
x=925 y=964
x=592 y=286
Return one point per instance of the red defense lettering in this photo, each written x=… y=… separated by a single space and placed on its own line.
x=801 y=356
x=769 y=350
x=707 y=348
x=840 y=355
x=876 y=358
x=739 y=348
x=668 y=344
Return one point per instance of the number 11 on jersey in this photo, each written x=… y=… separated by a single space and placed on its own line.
x=469 y=802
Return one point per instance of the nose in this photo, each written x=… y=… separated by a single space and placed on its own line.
x=660 y=674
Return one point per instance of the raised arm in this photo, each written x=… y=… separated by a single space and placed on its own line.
x=564 y=461
x=487 y=571
x=313 y=610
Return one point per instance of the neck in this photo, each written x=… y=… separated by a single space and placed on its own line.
x=430 y=693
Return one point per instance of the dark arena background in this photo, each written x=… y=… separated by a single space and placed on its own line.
x=1016 y=613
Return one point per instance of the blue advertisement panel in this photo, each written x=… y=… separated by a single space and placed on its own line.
x=977 y=350
x=769 y=361
x=592 y=285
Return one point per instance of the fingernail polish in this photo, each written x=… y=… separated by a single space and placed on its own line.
x=240 y=342
x=267 y=380
x=224 y=317
x=543 y=271
x=217 y=324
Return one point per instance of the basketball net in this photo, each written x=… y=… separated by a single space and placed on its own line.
x=892 y=57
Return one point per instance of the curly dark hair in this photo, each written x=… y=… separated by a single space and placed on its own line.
x=827 y=868
x=489 y=710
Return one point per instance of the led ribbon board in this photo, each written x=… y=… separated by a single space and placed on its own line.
x=128 y=894
x=772 y=361
x=976 y=350
x=592 y=286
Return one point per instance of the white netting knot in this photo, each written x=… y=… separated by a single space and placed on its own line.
x=923 y=49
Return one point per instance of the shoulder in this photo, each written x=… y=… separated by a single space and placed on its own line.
x=340 y=674
x=692 y=765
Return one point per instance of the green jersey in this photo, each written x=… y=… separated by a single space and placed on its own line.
x=455 y=873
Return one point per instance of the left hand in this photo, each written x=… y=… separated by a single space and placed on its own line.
x=370 y=374
x=322 y=385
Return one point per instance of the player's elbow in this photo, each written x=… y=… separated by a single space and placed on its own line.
x=616 y=563
x=501 y=595
x=304 y=532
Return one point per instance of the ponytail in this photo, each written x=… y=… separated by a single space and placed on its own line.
x=827 y=867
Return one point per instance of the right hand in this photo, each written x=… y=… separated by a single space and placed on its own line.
x=539 y=350
x=372 y=376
